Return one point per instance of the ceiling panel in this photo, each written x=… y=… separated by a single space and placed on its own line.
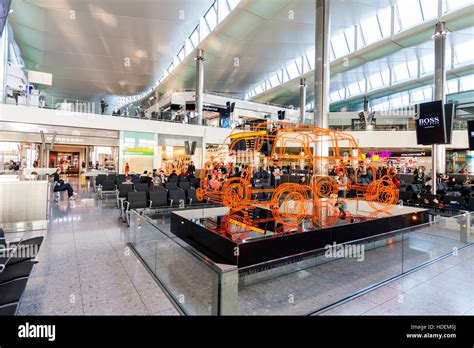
x=92 y=41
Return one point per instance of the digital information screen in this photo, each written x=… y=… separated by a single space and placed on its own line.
x=470 y=134
x=430 y=124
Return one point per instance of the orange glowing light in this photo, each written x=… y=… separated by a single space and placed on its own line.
x=291 y=204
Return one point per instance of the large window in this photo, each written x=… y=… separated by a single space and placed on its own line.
x=409 y=13
x=375 y=81
x=371 y=30
x=385 y=21
x=339 y=45
x=401 y=72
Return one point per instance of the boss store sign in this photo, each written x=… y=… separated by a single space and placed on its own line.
x=434 y=123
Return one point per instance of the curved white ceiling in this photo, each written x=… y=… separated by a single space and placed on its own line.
x=87 y=44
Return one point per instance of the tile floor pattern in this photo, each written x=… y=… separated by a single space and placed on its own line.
x=445 y=287
x=85 y=267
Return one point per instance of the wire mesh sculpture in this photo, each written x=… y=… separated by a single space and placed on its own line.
x=309 y=151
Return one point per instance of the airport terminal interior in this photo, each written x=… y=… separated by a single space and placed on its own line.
x=236 y=157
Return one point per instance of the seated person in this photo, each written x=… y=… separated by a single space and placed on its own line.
x=128 y=180
x=163 y=176
x=148 y=179
x=428 y=185
x=418 y=178
x=61 y=185
x=214 y=183
x=452 y=182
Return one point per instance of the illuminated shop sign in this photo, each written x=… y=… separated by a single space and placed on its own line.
x=62 y=139
x=377 y=156
x=139 y=151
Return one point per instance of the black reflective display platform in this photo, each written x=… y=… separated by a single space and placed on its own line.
x=199 y=228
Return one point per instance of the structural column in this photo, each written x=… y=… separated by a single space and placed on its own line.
x=199 y=84
x=322 y=75
x=302 y=99
x=4 y=63
x=438 y=152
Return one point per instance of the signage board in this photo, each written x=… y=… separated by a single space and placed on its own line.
x=470 y=133
x=139 y=151
x=430 y=123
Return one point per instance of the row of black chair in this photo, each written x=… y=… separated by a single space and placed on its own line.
x=157 y=199
x=15 y=270
x=109 y=184
x=412 y=197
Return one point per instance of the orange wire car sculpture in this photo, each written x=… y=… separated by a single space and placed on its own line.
x=291 y=204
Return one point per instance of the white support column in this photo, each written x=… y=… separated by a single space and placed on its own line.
x=199 y=84
x=156 y=154
x=438 y=152
x=302 y=100
x=120 y=154
x=322 y=75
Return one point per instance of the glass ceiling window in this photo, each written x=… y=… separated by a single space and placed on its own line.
x=466 y=83
x=203 y=30
x=428 y=92
x=349 y=33
x=219 y=10
x=292 y=70
x=413 y=68
x=385 y=21
x=233 y=3
x=454 y=4
x=452 y=86
x=382 y=104
x=354 y=88
x=181 y=54
x=188 y=46
x=375 y=81
x=195 y=37
x=427 y=63
x=274 y=80
x=339 y=45
x=417 y=95
x=429 y=9
x=223 y=9
x=211 y=18
x=464 y=52
x=409 y=13
x=371 y=30
x=396 y=101
x=311 y=58
x=335 y=96
x=385 y=77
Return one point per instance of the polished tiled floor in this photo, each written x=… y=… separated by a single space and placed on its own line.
x=446 y=287
x=85 y=267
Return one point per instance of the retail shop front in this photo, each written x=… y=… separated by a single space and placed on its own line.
x=29 y=147
x=138 y=150
x=405 y=160
x=177 y=152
